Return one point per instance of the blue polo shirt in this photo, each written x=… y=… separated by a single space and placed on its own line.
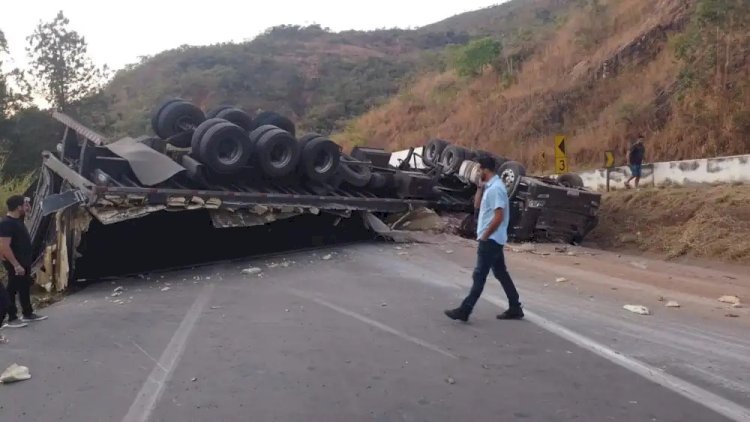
x=495 y=196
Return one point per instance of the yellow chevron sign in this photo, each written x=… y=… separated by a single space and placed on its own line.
x=561 y=160
x=609 y=159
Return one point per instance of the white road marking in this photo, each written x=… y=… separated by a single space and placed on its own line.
x=692 y=392
x=374 y=323
x=152 y=389
x=718 y=404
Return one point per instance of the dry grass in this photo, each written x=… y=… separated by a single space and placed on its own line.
x=702 y=222
x=563 y=88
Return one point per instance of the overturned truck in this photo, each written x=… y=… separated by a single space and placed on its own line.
x=221 y=185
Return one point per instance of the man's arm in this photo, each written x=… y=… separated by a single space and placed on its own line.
x=7 y=253
x=497 y=220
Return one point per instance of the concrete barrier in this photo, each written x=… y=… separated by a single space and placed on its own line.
x=734 y=169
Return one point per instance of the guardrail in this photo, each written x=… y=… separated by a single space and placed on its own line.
x=732 y=169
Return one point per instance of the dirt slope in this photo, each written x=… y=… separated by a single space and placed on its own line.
x=694 y=222
x=609 y=70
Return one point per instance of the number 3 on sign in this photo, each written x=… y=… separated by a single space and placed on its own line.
x=561 y=165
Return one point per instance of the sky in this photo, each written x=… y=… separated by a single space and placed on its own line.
x=119 y=32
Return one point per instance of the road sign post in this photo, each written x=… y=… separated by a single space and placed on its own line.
x=561 y=159
x=609 y=162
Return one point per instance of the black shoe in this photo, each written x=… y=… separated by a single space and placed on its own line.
x=458 y=314
x=512 y=313
x=33 y=318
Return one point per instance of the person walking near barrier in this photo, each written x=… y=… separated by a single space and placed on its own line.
x=15 y=249
x=492 y=233
x=635 y=160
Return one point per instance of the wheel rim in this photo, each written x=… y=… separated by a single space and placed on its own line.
x=280 y=155
x=508 y=177
x=431 y=152
x=228 y=151
x=322 y=162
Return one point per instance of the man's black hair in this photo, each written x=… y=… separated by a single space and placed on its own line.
x=487 y=162
x=14 y=201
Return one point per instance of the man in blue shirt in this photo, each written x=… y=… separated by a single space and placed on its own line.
x=492 y=233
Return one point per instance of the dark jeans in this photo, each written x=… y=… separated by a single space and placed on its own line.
x=4 y=303
x=490 y=256
x=19 y=286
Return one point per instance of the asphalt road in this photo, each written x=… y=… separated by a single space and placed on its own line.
x=359 y=336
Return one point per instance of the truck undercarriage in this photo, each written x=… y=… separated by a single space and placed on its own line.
x=106 y=208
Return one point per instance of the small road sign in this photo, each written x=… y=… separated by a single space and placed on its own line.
x=609 y=159
x=561 y=160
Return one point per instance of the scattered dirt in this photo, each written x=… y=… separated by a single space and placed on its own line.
x=710 y=222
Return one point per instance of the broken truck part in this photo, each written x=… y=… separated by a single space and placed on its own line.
x=98 y=206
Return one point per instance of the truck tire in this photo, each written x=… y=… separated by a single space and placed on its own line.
x=198 y=133
x=320 y=158
x=178 y=117
x=277 y=153
x=237 y=116
x=210 y=114
x=256 y=134
x=225 y=148
x=432 y=152
x=499 y=161
x=570 y=180
x=357 y=175
x=452 y=157
x=510 y=174
x=274 y=119
x=157 y=111
x=307 y=138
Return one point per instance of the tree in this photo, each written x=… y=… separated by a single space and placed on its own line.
x=471 y=59
x=59 y=64
x=11 y=99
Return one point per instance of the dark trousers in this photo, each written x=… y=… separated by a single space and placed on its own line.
x=4 y=303
x=490 y=256
x=19 y=286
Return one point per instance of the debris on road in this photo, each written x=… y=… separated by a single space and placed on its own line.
x=641 y=265
x=450 y=380
x=383 y=304
x=117 y=291
x=15 y=373
x=737 y=305
x=326 y=257
x=730 y=299
x=660 y=299
x=525 y=247
x=637 y=309
x=194 y=379
x=449 y=251
x=561 y=279
x=730 y=315
x=561 y=249
x=252 y=270
x=3 y=340
x=164 y=289
x=403 y=253
x=672 y=304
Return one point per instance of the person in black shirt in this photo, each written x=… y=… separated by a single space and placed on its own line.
x=15 y=250
x=635 y=159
